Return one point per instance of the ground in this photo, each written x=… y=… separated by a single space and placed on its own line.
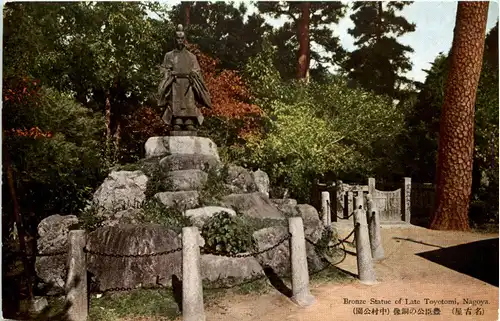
x=402 y=274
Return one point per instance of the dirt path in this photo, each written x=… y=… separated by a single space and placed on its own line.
x=402 y=274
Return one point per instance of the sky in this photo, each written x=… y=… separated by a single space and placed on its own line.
x=434 y=21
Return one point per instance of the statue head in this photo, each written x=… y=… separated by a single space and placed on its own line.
x=180 y=37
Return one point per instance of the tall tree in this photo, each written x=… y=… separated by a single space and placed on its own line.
x=456 y=134
x=304 y=46
x=105 y=53
x=379 y=61
x=310 y=24
x=221 y=30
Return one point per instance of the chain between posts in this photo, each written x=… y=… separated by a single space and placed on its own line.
x=339 y=242
x=239 y=255
x=328 y=203
x=167 y=252
x=86 y=250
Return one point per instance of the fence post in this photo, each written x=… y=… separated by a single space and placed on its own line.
x=374 y=229
x=350 y=203
x=371 y=185
x=192 y=289
x=359 y=201
x=76 y=281
x=339 y=199
x=366 y=272
x=407 y=199
x=325 y=208
x=298 y=256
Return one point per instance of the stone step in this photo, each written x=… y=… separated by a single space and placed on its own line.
x=170 y=145
x=182 y=199
x=185 y=180
x=177 y=162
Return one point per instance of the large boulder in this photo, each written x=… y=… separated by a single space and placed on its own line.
x=128 y=216
x=255 y=205
x=279 y=257
x=261 y=180
x=183 y=200
x=287 y=206
x=121 y=190
x=200 y=215
x=177 y=162
x=228 y=271
x=53 y=232
x=186 y=180
x=307 y=212
x=240 y=179
x=130 y=272
x=169 y=145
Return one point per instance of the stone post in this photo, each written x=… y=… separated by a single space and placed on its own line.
x=374 y=229
x=325 y=208
x=76 y=281
x=339 y=199
x=407 y=199
x=298 y=256
x=366 y=272
x=359 y=201
x=192 y=290
x=350 y=203
x=371 y=186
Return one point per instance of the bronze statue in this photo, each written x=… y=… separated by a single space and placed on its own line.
x=182 y=87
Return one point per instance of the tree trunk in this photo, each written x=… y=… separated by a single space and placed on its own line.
x=187 y=13
x=303 y=38
x=456 y=133
x=117 y=136
x=108 y=117
x=380 y=22
x=19 y=223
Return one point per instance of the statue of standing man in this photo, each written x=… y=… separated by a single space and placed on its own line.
x=182 y=87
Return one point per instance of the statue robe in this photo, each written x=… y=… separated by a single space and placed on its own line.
x=179 y=94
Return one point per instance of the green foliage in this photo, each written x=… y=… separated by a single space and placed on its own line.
x=136 y=303
x=55 y=174
x=226 y=234
x=317 y=129
x=484 y=203
x=214 y=188
x=171 y=217
x=209 y=25
x=89 y=218
x=99 y=51
x=322 y=15
x=379 y=61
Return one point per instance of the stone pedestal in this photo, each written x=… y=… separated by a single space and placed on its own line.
x=169 y=145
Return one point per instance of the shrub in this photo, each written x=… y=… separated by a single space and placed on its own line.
x=215 y=188
x=57 y=160
x=316 y=129
x=225 y=234
x=171 y=217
